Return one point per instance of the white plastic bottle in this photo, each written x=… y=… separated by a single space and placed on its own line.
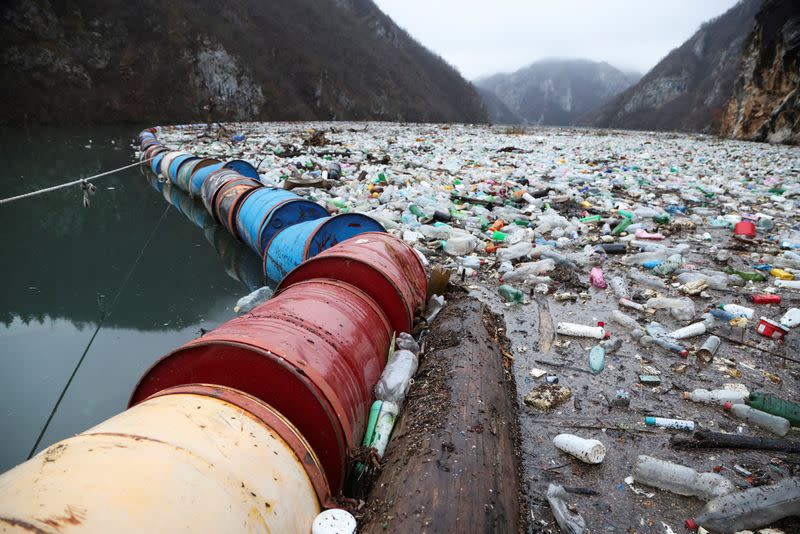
x=739 y=311
x=771 y=423
x=590 y=451
x=788 y=284
x=751 y=508
x=694 y=329
x=580 y=330
x=680 y=479
x=717 y=396
x=248 y=302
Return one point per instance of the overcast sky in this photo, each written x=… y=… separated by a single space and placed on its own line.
x=481 y=37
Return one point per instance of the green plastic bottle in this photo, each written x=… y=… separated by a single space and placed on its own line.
x=661 y=219
x=755 y=277
x=497 y=235
x=776 y=406
x=618 y=229
x=511 y=294
x=590 y=218
x=413 y=208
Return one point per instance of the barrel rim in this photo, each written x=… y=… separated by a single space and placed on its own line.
x=272 y=418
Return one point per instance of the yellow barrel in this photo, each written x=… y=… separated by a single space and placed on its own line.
x=198 y=461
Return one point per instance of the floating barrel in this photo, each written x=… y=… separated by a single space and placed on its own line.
x=229 y=198
x=151 y=151
x=313 y=352
x=156 y=162
x=172 y=170
x=383 y=266
x=212 y=185
x=242 y=167
x=200 y=173
x=197 y=458
x=168 y=159
x=295 y=244
x=185 y=172
x=148 y=143
x=267 y=211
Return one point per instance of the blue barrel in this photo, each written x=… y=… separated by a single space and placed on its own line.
x=172 y=172
x=243 y=168
x=266 y=211
x=293 y=245
x=155 y=162
x=199 y=176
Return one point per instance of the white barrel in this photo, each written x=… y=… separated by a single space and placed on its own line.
x=580 y=330
x=590 y=451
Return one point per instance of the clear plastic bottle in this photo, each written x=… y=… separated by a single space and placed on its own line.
x=396 y=377
x=681 y=308
x=751 y=508
x=568 y=521
x=528 y=270
x=248 y=302
x=680 y=479
x=515 y=252
x=716 y=396
x=771 y=423
x=669 y=265
x=618 y=286
x=645 y=279
x=460 y=244
x=660 y=337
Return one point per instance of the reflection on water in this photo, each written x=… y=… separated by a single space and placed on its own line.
x=64 y=267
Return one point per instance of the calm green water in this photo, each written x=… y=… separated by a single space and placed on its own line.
x=154 y=279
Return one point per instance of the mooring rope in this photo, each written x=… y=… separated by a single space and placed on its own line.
x=103 y=316
x=74 y=182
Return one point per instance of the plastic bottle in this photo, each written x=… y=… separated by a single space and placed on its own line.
x=459 y=245
x=618 y=286
x=788 y=284
x=580 y=330
x=396 y=377
x=384 y=426
x=661 y=338
x=597 y=279
x=776 y=406
x=515 y=252
x=626 y=320
x=628 y=303
x=511 y=294
x=750 y=509
x=754 y=277
x=738 y=311
x=669 y=265
x=560 y=259
x=694 y=329
x=767 y=421
x=680 y=479
x=527 y=270
x=781 y=274
x=681 y=308
x=248 y=302
x=590 y=451
x=568 y=521
x=646 y=279
x=717 y=396
x=597 y=359
x=674 y=424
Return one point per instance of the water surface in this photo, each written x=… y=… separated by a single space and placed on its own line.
x=138 y=273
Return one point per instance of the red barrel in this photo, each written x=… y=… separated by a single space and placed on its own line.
x=381 y=265
x=314 y=352
x=228 y=199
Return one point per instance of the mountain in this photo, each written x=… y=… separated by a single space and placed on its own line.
x=765 y=104
x=159 y=62
x=688 y=89
x=552 y=92
x=497 y=110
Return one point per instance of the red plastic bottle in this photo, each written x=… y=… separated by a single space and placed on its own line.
x=767 y=299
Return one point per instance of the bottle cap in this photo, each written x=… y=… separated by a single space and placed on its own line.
x=727 y=406
x=649 y=420
x=686 y=395
x=684 y=353
x=691 y=524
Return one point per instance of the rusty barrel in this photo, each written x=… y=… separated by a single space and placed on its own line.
x=194 y=458
x=229 y=198
x=201 y=171
x=212 y=185
x=151 y=151
x=177 y=163
x=294 y=244
x=268 y=211
x=186 y=170
x=381 y=265
x=313 y=353
x=169 y=157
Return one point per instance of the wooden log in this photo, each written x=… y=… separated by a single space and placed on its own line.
x=452 y=464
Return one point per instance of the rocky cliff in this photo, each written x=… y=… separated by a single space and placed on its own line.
x=765 y=104
x=688 y=89
x=160 y=61
x=552 y=92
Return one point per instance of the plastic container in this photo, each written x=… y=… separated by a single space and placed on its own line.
x=791 y=318
x=396 y=377
x=673 y=424
x=580 y=330
x=695 y=329
x=716 y=396
x=248 y=302
x=334 y=521
x=590 y=451
x=771 y=423
x=750 y=509
x=680 y=479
